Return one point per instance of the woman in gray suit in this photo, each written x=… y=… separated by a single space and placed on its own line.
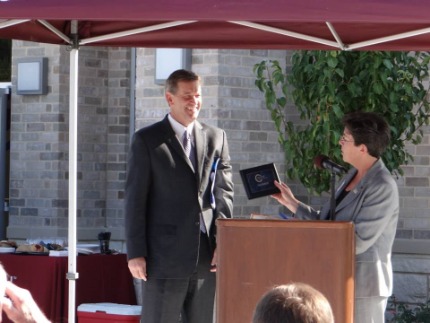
x=367 y=196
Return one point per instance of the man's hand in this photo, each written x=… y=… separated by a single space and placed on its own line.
x=137 y=268
x=214 y=262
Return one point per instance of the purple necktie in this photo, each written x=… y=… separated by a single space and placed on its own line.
x=189 y=151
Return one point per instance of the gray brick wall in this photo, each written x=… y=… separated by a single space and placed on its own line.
x=39 y=145
x=38 y=184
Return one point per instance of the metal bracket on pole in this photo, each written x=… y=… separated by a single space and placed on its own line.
x=75 y=41
x=74 y=36
x=72 y=276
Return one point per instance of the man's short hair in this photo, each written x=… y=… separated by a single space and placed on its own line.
x=293 y=303
x=179 y=76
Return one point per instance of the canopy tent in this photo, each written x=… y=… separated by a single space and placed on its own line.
x=275 y=24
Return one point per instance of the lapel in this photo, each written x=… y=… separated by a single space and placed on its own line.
x=352 y=195
x=355 y=193
x=200 y=141
x=344 y=183
x=172 y=140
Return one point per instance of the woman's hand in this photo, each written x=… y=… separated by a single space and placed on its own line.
x=286 y=197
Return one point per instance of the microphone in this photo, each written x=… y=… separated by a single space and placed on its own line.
x=324 y=162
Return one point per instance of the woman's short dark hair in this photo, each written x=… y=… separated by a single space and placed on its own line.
x=293 y=303
x=179 y=76
x=369 y=129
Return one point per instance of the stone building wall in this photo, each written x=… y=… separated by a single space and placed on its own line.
x=411 y=256
x=38 y=152
x=40 y=138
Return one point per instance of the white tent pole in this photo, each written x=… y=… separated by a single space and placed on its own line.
x=287 y=33
x=72 y=275
x=335 y=35
x=134 y=31
x=388 y=38
x=12 y=22
x=55 y=31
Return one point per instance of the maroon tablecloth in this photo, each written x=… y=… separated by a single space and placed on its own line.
x=102 y=278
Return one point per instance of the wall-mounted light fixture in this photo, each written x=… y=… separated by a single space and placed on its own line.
x=168 y=60
x=32 y=76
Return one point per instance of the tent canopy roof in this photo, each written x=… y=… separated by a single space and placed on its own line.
x=394 y=11
x=278 y=24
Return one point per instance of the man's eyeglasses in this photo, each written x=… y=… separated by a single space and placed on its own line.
x=343 y=139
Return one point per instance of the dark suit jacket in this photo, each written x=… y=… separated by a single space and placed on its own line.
x=165 y=197
x=373 y=207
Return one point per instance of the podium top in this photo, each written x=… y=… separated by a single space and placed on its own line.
x=258 y=223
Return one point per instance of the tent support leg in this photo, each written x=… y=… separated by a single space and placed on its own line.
x=72 y=275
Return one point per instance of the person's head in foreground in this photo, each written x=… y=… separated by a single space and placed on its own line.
x=293 y=303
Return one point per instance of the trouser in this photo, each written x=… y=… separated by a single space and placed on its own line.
x=164 y=300
x=370 y=309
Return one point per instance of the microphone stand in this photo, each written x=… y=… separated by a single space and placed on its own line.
x=333 y=198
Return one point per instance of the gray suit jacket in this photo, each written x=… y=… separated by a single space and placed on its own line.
x=373 y=207
x=164 y=197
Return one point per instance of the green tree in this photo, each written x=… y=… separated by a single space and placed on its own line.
x=404 y=313
x=325 y=85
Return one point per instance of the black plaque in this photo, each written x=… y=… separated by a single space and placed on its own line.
x=258 y=181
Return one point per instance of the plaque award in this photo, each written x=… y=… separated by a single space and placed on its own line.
x=258 y=181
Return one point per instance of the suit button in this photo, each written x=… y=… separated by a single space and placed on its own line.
x=197 y=224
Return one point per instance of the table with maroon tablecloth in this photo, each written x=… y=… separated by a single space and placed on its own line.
x=102 y=278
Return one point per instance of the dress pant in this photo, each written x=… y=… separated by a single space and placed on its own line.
x=370 y=309
x=165 y=300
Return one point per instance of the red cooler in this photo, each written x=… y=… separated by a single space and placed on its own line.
x=108 y=312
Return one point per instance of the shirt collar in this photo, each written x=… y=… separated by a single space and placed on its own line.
x=180 y=129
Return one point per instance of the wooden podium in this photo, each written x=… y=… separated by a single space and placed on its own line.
x=255 y=255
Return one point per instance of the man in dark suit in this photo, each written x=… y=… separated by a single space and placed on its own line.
x=175 y=190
